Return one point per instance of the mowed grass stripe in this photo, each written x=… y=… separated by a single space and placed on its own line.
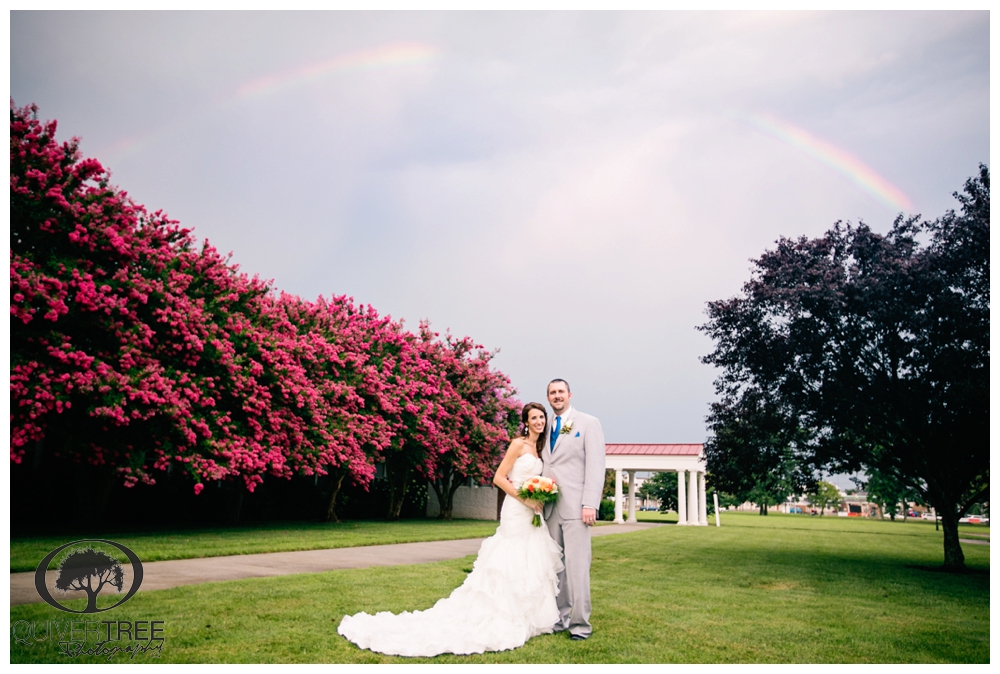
x=755 y=590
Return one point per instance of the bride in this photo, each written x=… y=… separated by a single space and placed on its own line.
x=509 y=597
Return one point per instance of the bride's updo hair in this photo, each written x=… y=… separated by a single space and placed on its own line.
x=540 y=443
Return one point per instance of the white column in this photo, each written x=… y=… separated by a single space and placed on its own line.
x=693 y=497
x=631 y=496
x=618 y=497
x=702 y=508
x=682 y=506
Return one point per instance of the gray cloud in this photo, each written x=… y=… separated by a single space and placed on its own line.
x=569 y=187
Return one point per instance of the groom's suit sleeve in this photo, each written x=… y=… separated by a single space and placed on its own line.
x=593 y=480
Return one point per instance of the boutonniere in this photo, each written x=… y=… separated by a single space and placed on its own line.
x=567 y=428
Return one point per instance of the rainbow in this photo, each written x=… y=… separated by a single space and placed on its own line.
x=840 y=160
x=387 y=56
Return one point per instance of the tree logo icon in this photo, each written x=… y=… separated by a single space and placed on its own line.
x=89 y=570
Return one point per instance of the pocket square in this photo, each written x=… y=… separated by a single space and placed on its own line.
x=577 y=434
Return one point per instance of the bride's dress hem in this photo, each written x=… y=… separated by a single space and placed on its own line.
x=508 y=597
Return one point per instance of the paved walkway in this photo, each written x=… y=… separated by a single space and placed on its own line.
x=174 y=573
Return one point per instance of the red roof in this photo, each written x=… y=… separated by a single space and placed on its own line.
x=651 y=449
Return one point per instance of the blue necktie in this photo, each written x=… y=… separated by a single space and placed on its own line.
x=555 y=433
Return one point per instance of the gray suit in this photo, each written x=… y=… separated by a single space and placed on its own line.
x=576 y=463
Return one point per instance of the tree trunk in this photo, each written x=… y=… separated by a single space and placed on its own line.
x=396 y=502
x=445 y=494
x=336 y=479
x=954 y=559
x=238 y=503
x=440 y=491
x=94 y=491
x=763 y=508
x=39 y=450
x=397 y=478
x=451 y=496
x=106 y=484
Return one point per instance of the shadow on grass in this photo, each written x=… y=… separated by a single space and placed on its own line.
x=835 y=561
x=964 y=571
x=851 y=532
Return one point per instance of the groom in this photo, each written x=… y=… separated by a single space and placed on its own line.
x=574 y=458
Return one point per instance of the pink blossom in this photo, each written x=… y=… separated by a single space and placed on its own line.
x=161 y=353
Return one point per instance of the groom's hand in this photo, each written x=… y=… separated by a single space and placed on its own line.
x=589 y=516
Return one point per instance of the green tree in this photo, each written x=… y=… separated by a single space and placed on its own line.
x=663 y=488
x=609 y=485
x=725 y=500
x=888 y=491
x=750 y=453
x=824 y=496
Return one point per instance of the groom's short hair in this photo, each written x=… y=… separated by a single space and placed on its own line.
x=568 y=390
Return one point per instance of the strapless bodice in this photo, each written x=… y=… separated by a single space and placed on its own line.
x=526 y=465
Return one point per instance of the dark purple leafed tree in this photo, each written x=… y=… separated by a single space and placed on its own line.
x=868 y=351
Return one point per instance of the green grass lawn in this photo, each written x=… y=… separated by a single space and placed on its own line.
x=971 y=531
x=652 y=516
x=26 y=553
x=758 y=589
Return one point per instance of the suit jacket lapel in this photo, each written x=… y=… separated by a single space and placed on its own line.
x=559 y=437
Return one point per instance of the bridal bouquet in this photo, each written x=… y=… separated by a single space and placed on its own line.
x=539 y=488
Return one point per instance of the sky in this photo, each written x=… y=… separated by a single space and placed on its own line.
x=570 y=188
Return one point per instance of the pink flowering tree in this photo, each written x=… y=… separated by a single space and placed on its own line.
x=339 y=348
x=84 y=263
x=409 y=400
x=135 y=350
x=483 y=416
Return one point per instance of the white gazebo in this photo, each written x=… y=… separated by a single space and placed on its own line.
x=688 y=461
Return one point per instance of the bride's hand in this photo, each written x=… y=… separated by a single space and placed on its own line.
x=533 y=504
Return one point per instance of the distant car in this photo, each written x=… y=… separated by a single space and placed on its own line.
x=928 y=516
x=975 y=519
x=913 y=513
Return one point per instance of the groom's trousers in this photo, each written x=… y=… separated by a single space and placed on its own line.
x=573 y=536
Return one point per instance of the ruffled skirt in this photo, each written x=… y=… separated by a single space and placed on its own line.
x=509 y=597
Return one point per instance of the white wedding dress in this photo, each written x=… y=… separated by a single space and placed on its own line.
x=509 y=597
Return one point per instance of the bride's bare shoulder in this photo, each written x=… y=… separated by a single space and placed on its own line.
x=516 y=447
x=521 y=446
